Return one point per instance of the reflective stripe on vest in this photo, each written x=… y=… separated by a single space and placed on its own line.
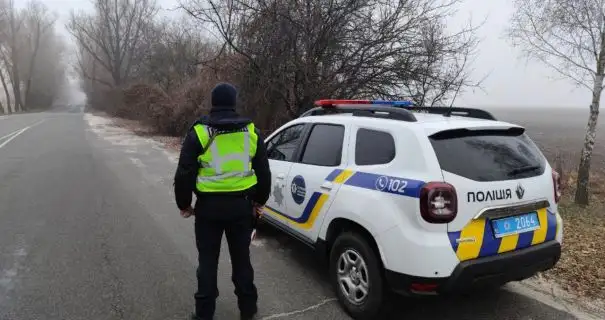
x=226 y=164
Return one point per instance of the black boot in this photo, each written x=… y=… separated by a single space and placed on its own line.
x=249 y=315
x=194 y=317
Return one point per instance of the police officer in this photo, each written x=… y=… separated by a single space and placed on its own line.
x=224 y=162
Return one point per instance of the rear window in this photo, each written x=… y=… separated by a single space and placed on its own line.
x=488 y=155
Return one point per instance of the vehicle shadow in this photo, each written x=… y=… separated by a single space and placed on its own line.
x=493 y=304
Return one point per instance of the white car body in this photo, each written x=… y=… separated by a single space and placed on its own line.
x=382 y=202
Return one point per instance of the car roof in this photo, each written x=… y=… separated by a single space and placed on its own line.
x=429 y=123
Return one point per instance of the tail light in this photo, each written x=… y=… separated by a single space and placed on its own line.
x=438 y=202
x=556 y=182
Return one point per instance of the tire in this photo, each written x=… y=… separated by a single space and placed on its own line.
x=357 y=248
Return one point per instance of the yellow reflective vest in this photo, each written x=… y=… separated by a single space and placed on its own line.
x=226 y=159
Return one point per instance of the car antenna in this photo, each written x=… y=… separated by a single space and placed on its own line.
x=449 y=111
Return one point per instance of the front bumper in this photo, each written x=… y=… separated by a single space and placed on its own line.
x=489 y=271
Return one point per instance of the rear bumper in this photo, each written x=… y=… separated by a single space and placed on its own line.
x=488 y=271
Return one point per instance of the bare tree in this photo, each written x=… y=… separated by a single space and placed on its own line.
x=48 y=75
x=3 y=25
x=30 y=56
x=569 y=37
x=297 y=51
x=38 y=21
x=7 y=93
x=439 y=69
x=112 y=34
x=88 y=68
x=175 y=49
x=10 y=51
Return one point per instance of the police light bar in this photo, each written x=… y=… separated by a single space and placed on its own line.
x=331 y=103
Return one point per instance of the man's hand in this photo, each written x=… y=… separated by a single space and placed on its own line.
x=187 y=213
x=258 y=209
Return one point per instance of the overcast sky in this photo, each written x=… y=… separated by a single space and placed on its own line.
x=511 y=81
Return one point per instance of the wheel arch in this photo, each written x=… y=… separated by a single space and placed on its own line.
x=340 y=225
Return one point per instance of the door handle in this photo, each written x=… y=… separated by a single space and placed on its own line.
x=326 y=185
x=281 y=176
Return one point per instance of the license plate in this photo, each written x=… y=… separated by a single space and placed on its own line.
x=517 y=224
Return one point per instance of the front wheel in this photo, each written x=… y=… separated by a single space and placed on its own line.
x=356 y=276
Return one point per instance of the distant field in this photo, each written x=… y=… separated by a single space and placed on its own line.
x=558 y=130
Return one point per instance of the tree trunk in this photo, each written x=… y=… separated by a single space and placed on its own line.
x=14 y=71
x=32 y=63
x=16 y=82
x=6 y=92
x=582 y=192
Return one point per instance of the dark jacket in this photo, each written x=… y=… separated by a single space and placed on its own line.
x=186 y=172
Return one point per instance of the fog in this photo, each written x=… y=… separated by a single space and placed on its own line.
x=508 y=80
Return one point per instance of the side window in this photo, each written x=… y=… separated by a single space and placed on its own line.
x=374 y=147
x=324 y=147
x=284 y=144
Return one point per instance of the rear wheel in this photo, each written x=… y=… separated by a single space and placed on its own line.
x=356 y=275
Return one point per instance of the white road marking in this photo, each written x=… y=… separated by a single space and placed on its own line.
x=287 y=314
x=10 y=134
x=15 y=134
x=13 y=137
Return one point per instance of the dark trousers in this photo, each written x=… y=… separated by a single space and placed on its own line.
x=233 y=216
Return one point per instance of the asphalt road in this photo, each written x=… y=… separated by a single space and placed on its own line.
x=89 y=230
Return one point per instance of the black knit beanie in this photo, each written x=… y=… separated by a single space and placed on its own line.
x=224 y=97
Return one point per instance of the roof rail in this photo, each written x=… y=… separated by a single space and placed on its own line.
x=395 y=110
x=365 y=110
x=456 y=111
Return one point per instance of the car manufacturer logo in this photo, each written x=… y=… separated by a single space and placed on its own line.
x=520 y=191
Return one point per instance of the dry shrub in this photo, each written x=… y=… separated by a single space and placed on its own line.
x=193 y=98
x=173 y=113
x=105 y=99
x=148 y=103
x=596 y=186
x=580 y=269
x=191 y=101
x=569 y=176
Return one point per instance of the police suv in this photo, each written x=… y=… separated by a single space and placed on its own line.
x=412 y=199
